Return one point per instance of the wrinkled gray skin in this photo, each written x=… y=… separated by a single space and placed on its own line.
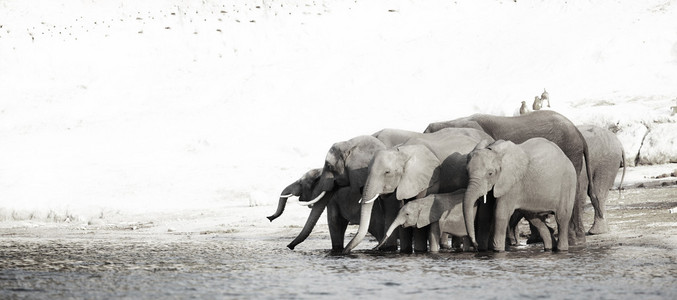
x=606 y=156
x=443 y=212
x=429 y=164
x=546 y=124
x=534 y=177
x=342 y=208
x=346 y=166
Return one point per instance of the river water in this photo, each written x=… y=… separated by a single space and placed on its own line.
x=226 y=268
x=141 y=264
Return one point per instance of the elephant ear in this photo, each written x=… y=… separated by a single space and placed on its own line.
x=357 y=158
x=481 y=145
x=513 y=163
x=420 y=171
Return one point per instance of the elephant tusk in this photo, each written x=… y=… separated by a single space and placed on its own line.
x=369 y=201
x=485 y=198
x=287 y=196
x=311 y=202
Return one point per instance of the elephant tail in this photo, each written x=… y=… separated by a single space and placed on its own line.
x=586 y=156
x=620 y=185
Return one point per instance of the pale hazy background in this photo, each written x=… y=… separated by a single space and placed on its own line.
x=153 y=106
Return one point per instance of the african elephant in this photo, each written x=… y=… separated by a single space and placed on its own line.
x=342 y=206
x=346 y=165
x=534 y=177
x=606 y=155
x=430 y=164
x=546 y=124
x=443 y=212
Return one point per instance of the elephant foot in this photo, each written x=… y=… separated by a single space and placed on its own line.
x=600 y=226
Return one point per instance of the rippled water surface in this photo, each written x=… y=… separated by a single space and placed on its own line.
x=138 y=264
x=253 y=269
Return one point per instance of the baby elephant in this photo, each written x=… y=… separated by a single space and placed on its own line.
x=443 y=211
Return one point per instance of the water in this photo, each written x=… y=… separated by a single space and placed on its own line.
x=218 y=268
x=637 y=261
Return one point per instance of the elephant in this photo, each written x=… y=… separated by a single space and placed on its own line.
x=606 y=156
x=546 y=124
x=346 y=165
x=534 y=177
x=429 y=164
x=342 y=207
x=443 y=212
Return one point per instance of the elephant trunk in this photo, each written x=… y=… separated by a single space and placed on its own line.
x=315 y=214
x=286 y=193
x=365 y=218
x=398 y=221
x=469 y=202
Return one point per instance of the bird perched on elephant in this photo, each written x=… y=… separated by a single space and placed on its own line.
x=443 y=212
x=342 y=207
x=546 y=124
x=429 y=164
x=534 y=177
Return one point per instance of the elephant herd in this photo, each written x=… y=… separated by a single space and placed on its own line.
x=473 y=178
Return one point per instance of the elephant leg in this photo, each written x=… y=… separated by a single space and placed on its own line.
x=600 y=225
x=421 y=239
x=406 y=235
x=377 y=227
x=543 y=231
x=466 y=243
x=484 y=221
x=563 y=231
x=534 y=238
x=434 y=237
x=513 y=229
x=444 y=241
x=456 y=242
x=501 y=220
x=337 y=229
x=576 y=233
